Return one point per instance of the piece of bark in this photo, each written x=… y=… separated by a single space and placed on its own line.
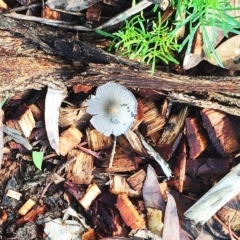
x=221 y=131
x=215 y=198
x=136 y=180
x=152 y=120
x=129 y=214
x=98 y=141
x=69 y=139
x=119 y=185
x=180 y=167
x=122 y=162
x=197 y=142
x=80 y=170
x=23 y=121
x=169 y=135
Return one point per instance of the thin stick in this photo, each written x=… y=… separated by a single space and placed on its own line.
x=215 y=198
x=113 y=152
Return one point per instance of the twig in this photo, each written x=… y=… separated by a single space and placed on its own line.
x=163 y=164
x=215 y=198
x=17 y=9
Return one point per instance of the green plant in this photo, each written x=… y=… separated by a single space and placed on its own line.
x=136 y=42
x=201 y=14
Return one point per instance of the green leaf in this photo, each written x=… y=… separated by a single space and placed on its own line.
x=37 y=159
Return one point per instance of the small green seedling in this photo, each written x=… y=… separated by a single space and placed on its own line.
x=135 y=41
x=148 y=46
x=201 y=14
x=37 y=159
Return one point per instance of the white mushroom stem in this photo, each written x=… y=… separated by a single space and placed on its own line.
x=113 y=152
x=215 y=198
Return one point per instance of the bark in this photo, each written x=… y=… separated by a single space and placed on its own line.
x=39 y=56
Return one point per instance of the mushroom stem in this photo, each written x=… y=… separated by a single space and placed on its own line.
x=113 y=152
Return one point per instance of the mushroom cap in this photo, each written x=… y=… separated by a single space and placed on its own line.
x=113 y=108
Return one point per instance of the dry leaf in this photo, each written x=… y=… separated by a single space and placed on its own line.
x=171 y=230
x=151 y=192
x=52 y=104
x=229 y=54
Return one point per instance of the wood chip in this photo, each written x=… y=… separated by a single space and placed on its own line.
x=91 y=193
x=69 y=139
x=23 y=121
x=152 y=120
x=89 y=235
x=128 y=212
x=80 y=171
x=169 y=135
x=180 y=167
x=98 y=141
x=136 y=180
x=122 y=162
x=13 y=194
x=37 y=112
x=119 y=185
x=50 y=14
x=77 y=88
x=72 y=116
x=196 y=140
x=26 y=207
x=221 y=131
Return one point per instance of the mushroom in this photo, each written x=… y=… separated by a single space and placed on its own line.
x=113 y=108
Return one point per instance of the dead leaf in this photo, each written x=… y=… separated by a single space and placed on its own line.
x=229 y=54
x=52 y=104
x=171 y=230
x=151 y=192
